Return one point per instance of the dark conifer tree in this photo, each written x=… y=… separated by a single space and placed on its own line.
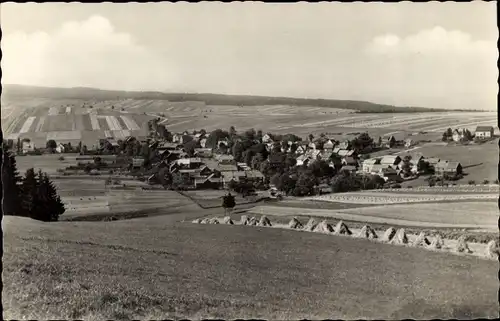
x=11 y=181
x=30 y=198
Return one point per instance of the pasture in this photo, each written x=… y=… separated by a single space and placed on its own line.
x=157 y=268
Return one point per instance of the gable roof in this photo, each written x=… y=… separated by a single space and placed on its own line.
x=484 y=128
x=389 y=159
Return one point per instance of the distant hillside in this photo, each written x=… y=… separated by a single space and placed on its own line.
x=20 y=91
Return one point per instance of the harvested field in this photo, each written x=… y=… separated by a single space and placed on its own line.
x=431 y=215
x=114 y=264
x=395 y=198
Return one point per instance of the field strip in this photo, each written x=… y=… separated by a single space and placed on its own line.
x=94 y=122
x=130 y=123
x=179 y=123
x=288 y=211
x=492 y=122
x=65 y=135
x=333 y=121
x=68 y=110
x=40 y=123
x=53 y=111
x=27 y=124
x=361 y=199
x=113 y=123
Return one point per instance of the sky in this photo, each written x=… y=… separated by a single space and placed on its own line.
x=437 y=55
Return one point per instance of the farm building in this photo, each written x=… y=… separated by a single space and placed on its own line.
x=351 y=161
x=60 y=148
x=458 y=134
x=300 y=149
x=483 y=132
x=329 y=145
x=390 y=160
x=368 y=164
x=391 y=141
x=28 y=147
x=166 y=146
x=303 y=159
x=224 y=159
x=433 y=161
x=210 y=182
x=232 y=176
x=450 y=168
x=243 y=167
x=345 y=145
x=190 y=162
x=203 y=152
x=409 y=143
x=203 y=143
x=137 y=162
x=267 y=138
x=254 y=175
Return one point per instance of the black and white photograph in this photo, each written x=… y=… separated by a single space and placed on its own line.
x=250 y=160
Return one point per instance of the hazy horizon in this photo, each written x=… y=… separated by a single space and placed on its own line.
x=435 y=55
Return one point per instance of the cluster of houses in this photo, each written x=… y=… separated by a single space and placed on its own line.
x=390 y=168
x=205 y=170
x=463 y=134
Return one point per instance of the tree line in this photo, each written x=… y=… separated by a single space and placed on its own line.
x=33 y=195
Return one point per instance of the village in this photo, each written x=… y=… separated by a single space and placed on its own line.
x=253 y=161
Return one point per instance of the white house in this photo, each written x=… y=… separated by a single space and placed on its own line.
x=60 y=148
x=484 y=131
x=28 y=147
x=458 y=134
x=267 y=138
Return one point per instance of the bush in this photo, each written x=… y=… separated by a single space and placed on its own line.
x=496 y=181
x=60 y=170
x=410 y=186
x=486 y=182
x=471 y=182
x=61 y=158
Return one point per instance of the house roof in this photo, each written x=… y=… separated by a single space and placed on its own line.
x=377 y=167
x=371 y=161
x=484 y=128
x=343 y=152
x=348 y=168
x=433 y=160
x=227 y=176
x=389 y=159
x=226 y=168
x=448 y=165
x=254 y=174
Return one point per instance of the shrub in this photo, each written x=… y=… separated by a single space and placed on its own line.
x=61 y=158
x=496 y=181
x=410 y=186
x=471 y=182
x=60 y=170
x=486 y=182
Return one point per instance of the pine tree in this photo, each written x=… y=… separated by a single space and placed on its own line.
x=11 y=180
x=30 y=198
x=51 y=206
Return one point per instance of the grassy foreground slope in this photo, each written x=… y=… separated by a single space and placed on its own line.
x=156 y=268
x=16 y=91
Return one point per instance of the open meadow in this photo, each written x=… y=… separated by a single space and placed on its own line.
x=159 y=268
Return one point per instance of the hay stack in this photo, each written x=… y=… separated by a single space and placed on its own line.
x=252 y=221
x=462 y=246
x=214 y=221
x=228 y=220
x=310 y=225
x=367 y=232
x=295 y=224
x=437 y=243
x=492 y=250
x=400 y=237
x=421 y=240
x=389 y=234
x=323 y=227
x=244 y=220
x=264 y=221
x=197 y=221
x=342 y=229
